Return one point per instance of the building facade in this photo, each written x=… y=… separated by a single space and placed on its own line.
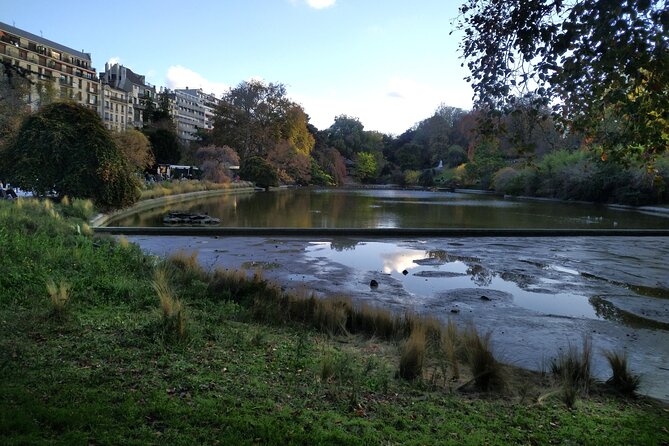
x=116 y=108
x=67 y=72
x=138 y=91
x=193 y=110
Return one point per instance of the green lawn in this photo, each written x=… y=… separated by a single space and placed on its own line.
x=107 y=369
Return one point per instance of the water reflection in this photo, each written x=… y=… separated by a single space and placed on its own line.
x=309 y=208
x=432 y=273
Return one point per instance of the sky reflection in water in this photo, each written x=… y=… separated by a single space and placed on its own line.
x=444 y=274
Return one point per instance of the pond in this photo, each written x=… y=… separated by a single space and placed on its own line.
x=323 y=208
x=536 y=295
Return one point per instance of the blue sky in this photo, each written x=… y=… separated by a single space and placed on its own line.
x=389 y=63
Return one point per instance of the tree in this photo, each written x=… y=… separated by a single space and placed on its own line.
x=65 y=148
x=366 y=167
x=164 y=144
x=585 y=59
x=296 y=132
x=346 y=135
x=250 y=117
x=136 y=148
x=216 y=162
x=333 y=164
x=293 y=166
x=259 y=171
x=15 y=86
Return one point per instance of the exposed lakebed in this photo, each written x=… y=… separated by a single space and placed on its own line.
x=535 y=295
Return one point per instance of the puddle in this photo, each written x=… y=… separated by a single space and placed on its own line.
x=425 y=274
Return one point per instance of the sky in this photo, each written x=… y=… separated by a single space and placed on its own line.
x=389 y=63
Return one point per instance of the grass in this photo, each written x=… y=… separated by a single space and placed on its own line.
x=165 y=188
x=573 y=370
x=59 y=297
x=172 y=310
x=254 y=367
x=622 y=379
x=487 y=373
x=412 y=358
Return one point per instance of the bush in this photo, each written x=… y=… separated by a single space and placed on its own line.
x=411 y=177
x=65 y=149
x=260 y=172
x=512 y=181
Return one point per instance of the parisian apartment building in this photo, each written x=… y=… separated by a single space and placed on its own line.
x=68 y=71
x=118 y=94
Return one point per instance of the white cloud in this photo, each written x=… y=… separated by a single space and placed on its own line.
x=392 y=107
x=114 y=60
x=182 y=77
x=321 y=4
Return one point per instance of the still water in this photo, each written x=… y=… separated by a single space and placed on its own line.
x=314 y=208
x=424 y=274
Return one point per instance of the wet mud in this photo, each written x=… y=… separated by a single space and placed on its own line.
x=534 y=295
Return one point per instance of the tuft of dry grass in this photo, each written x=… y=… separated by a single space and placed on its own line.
x=449 y=347
x=622 y=379
x=332 y=314
x=412 y=357
x=375 y=321
x=572 y=368
x=487 y=373
x=172 y=310
x=123 y=242
x=59 y=296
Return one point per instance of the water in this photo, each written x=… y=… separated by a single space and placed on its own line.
x=313 y=208
x=425 y=274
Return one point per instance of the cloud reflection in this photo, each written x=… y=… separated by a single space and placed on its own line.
x=399 y=261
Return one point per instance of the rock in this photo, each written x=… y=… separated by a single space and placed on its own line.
x=484 y=297
x=186 y=218
x=373 y=284
x=405 y=272
x=455 y=311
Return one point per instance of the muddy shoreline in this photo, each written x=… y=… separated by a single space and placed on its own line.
x=625 y=282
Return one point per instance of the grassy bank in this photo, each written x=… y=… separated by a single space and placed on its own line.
x=100 y=344
x=165 y=188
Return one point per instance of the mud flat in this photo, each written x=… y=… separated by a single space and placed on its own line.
x=535 y=295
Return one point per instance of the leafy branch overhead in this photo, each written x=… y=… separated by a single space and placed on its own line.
x=593 y=62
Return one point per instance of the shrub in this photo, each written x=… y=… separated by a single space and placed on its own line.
x=65 y=149
x=411 y=177
x=259 y=171
x=622 y=380
x=512 y=181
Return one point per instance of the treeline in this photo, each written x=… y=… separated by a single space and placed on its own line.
x=523 y=151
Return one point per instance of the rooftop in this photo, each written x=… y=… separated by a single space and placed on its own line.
x=46 y=42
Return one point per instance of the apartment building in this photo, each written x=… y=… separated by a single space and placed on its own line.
x=116 y=108
x=68 y=71
x=138 y=91
x=193 y=110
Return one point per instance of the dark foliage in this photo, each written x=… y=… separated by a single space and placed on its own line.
x=65 y=149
